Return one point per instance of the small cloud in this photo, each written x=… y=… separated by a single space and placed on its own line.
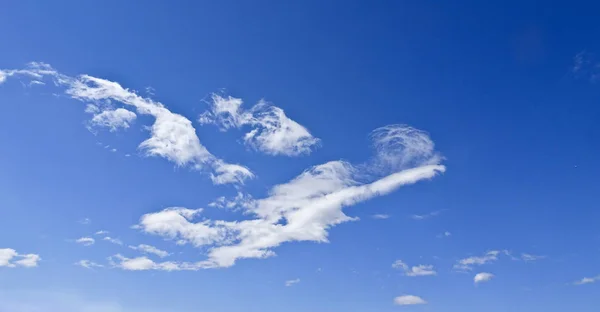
x=150 y=249
x=88 y=264
x=468 y=263
x=85 y=221
x=445 y=234
x=483 y=277
x=85 y=241
x=529 y=257
x=102 y=232
x=115 y=241
x=127 y=155
x=380 y=216
x=428 y=215
x=113 y=150
x=587 y=280
x=292 y=282
x=409 y=300
x=419 y=270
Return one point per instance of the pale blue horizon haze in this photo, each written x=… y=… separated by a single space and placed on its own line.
x=299 y=156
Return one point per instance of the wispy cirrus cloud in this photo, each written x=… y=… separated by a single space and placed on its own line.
x=172 y=136
x=587 y=280
x=380 y=216
x=303 y=209
x=11 y=258
x=85 y=241
x=88 y=264
x=427 y=215
x=113 y=240
x=151 y=250
x=272 y=132
x=293 y=282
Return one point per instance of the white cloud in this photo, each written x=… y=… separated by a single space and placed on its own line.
x=530 y=257
x=380 y=216
x=102 y=232
x=85 y=241
x=272 y=131
x=483 y=277
x=303 y=209
x=419 y=270
x=113 y=119
x=445 y=234
x=172 y=136
x=115 y=241
x=292 y=282
x=427 y=216
x=11 y=258
x=468 y=263
x=402 y=146
x=409 y=300
x=150 y=249
x=145 y=264
x=587 y=280
x=85 y=221
x=88 y=264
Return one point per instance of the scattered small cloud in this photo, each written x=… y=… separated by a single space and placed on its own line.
x=380 y=216
x=150 y=249
x=102 y=232
x=467 y=264
x=587 y=280
x=85 y=241
x=11 y=258
x=409 y=300
x=483 y=277
x=427 y=215
x=292 y=282
x=85 y=221
x=445 y=234
x=419 y=270
x=88 y=264
x=530 y=257
x=115 y=241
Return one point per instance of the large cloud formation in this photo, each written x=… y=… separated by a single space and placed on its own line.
x=303 y=209
x=172 y=136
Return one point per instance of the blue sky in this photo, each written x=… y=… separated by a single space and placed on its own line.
x=309 y=156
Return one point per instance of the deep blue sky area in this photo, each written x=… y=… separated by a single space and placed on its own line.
x=506 y=94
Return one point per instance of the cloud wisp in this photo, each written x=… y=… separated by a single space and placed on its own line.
x=272 y=132
x=427 y=215
x=85 y=241
x=418 y=270
x=12 y=259
x=292 y=282
x=150 y=250
x=301 y=210
x=88 y=264
x=587 y=280
x=172 y=136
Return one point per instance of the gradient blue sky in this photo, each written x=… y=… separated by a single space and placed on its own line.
x=506 y=90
